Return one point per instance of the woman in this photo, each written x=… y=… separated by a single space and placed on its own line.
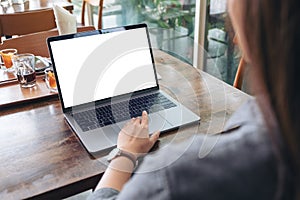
x=258 y=161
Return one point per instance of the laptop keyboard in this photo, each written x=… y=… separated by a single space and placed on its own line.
x=110 y=114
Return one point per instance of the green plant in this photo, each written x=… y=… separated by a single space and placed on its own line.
x=162 y=13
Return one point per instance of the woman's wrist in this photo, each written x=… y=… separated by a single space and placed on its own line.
x=123 y=164
x=136 y=155
x=117 y=174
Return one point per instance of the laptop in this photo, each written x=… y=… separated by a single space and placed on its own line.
x=106 y=77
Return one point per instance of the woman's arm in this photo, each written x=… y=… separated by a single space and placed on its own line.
x=133 y=138
x=117 y=174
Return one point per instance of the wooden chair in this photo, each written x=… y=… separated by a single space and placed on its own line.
x=239 y=76
x=27 y=22
x=36 y=43
x=86 y=4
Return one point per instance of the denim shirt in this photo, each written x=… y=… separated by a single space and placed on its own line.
x=239 y=165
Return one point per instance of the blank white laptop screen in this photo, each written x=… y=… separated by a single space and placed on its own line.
x=100 y=66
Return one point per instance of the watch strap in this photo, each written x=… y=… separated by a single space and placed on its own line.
x=130 y=156
x=126 y=154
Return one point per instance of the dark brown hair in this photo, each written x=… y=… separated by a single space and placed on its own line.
x=272 y=30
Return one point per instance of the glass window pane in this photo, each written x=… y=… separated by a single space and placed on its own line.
x=172 y=24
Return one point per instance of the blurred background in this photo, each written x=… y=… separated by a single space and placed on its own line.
x=172 y=27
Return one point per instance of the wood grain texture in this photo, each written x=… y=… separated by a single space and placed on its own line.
x=94 y=3
x=12 y=93
x=26 y=22
x=31 y=17
x=41 y=157
x=33 y=5
x=36 y=43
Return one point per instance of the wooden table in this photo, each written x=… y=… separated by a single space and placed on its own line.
x=42 y=158
x=31 y=5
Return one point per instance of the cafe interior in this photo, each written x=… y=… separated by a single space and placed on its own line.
x=196 y=60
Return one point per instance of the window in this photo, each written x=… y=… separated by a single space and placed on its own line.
x=172 y=25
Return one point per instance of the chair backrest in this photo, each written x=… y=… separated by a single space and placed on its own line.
x=35 y=43
x=95 y=3
x=239 y=76
x=27 y=22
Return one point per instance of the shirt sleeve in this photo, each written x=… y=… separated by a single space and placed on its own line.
x=145 y=184
x=239 y=165
x=104 y=193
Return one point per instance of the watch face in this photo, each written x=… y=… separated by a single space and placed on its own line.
x=113 y=154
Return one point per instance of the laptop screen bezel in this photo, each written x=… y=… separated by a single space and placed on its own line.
x=97 y=32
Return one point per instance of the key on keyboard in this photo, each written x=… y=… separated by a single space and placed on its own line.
x=110 y=114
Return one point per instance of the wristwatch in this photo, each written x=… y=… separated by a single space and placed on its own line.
x=118 y=152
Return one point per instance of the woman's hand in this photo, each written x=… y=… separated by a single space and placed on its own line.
x=134 y=137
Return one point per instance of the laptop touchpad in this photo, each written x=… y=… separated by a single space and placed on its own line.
x=157 y=123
